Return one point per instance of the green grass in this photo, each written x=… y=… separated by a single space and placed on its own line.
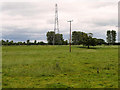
x=55 y=67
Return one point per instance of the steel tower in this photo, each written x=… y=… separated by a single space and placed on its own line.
x=56 y=25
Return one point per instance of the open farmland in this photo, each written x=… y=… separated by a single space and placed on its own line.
x=55 y=67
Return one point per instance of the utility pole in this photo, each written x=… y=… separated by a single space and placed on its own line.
x=70 y=36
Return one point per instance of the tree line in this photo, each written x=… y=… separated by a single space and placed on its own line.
x=7 y=42
x=78 y=38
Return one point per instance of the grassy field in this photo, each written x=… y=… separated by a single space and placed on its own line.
x=55 y=67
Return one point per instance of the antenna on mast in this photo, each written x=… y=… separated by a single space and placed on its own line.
x=56 y=25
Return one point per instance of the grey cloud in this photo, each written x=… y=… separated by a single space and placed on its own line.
x=50 y=21
x=29 y=20
x=25 y=8
x=22 y=34
x=106 y=22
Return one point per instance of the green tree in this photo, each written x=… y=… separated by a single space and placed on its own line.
x=65 y=42
x=93 y=42
x=24 y=43
x=75 y=38
x=59 y=39
x=3 y=42
x=11 y=42
x=19 y=43
x=7 y=42
x=42 y=43
x=84 y=38
x=28 y=42
x=35 y=42
x=100 y=41
x=113 y=36
x=89 y=41
x=78 y=37
x=109 y=37
x=50 y=37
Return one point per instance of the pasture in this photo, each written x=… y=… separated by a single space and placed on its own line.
x=55 y=67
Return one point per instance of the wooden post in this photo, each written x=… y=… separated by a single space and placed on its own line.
x=70 y=36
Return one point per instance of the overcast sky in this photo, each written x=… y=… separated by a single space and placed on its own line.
x=32 y=20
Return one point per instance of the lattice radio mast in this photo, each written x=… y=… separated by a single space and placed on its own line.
x=56 y=25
